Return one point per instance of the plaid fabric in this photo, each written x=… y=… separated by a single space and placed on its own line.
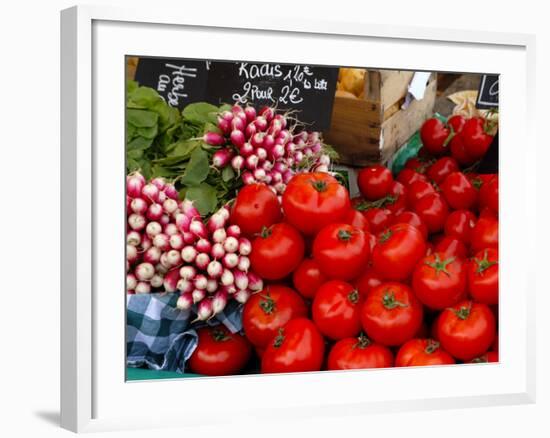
x=160 y=336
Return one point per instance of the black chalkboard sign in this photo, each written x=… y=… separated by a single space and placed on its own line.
x=487 y=96
x=178 y=81
x=306 y=89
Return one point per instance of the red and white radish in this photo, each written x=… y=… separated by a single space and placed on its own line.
x=189 y=254
x=144 y=271
x=142 y=288
x=137 y=222
x=131 y=253
x=152 y=255
x=204 y=310
x=231 y=244
x=185 y=301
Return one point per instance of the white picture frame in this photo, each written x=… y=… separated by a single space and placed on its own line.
x=94 y=395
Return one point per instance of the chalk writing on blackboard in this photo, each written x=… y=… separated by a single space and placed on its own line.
x=303 y=88
x=487 y=96
x=178 y=81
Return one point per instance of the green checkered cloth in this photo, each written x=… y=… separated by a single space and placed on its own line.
x=161 y=337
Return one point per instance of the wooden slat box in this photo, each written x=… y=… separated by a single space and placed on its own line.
x=370 y=130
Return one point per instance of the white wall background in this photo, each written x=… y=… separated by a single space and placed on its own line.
x=29 y=218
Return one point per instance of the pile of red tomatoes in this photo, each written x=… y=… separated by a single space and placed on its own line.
x=404 y=275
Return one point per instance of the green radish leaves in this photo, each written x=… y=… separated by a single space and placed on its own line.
x=197 y=169
x=205 y=197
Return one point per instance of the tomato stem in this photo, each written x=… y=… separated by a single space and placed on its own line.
x=353 y=296
x=464 y=312
x=219 y=335
x=362 y=342
x=268 y=304
x=389 y=301
x=449 y=137
x=266 y=232
x=344 y=235
x=476 y=182
x=379 y=203
x=440 y=265
x=432 y=346
x=484 y=263
x=279 y=339
x=320 y=186
x=384 y=236
x=425 y=164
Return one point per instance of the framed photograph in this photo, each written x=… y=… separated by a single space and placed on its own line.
x=329 y=210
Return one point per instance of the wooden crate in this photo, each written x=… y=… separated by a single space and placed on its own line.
x=370 y=130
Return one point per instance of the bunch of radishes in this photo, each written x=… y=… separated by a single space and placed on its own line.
x=169 y=248
x=262 y=147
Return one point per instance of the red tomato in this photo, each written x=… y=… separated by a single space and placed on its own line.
x=490 y=356
x=219 y=352
x=479 y=179
x=397 y=251
x=379 y=219
x=459 y=224
x=486 y=212
x=488 y=195
x=336 y=310
x=456 y=122
x=466 y=330
x=277 y=251
x=256 y=207
x=391 y=314
x=459 y=192
x=342 y=251
x=458 y=151
x=451 y=247
x=439 y=281
x=307 y=278
x=367 y=281
x=484 y=234
x=313 y=200
x=411 y=218
x=483 y=276
x=417 y=190
x=433 y=210
x=297 y=347
x=357 y=219
x=408 y=176
x=358 y=353
x=374 y=182
x=434 y=134
x=475 y=138
x=416 y=164
x=397 y=198
x=267 y=311
x=442 y=168
x=421 y=352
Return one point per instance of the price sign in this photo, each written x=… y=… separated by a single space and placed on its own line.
x=179 y=81
x=487 y=96
x=307 y=90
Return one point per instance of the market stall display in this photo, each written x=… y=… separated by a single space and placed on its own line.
x=242 y=204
